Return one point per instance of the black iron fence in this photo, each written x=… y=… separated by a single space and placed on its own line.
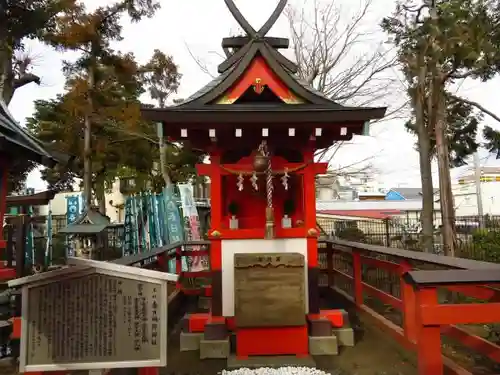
x=476 y=238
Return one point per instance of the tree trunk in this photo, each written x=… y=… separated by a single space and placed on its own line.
x=424 y=151
x=163 y=163
x=445 y=193
x=163 y=153
x=87 y=148
x=6 y=74
x=100 y=195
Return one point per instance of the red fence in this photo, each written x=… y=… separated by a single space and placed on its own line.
x=375 y=277
x=428 y=296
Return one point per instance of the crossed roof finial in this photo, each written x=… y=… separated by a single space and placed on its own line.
x=245 y=25
x=241 y=44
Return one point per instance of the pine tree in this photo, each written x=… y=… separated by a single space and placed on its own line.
x=91 y=34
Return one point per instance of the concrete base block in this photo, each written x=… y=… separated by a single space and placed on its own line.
x=345 y=336
x=190 y=341
x=326 y=345
x=214 y=348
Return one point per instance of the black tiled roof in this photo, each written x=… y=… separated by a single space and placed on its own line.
x=17 y=140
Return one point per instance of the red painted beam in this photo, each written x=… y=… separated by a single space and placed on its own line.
x=7 y=274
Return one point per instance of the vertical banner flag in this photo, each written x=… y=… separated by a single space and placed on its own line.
x=162 y=226
x=30 y=240
x=48 y=247
x=173 y=222
x=153 y=222
x=135 y=226
x=72 y=212
x=82 y=203
x=127 y=244
x=191 y=222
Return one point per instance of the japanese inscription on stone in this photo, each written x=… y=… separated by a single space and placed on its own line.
x=269 y=289
x=94 y=318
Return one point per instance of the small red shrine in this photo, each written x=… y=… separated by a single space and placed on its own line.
x=260 y=124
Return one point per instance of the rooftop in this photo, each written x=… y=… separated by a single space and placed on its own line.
x=17 y=141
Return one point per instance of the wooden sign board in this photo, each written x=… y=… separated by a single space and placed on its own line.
x=269 y=289
x=97 y=315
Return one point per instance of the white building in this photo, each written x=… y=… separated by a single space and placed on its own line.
x=464 y=193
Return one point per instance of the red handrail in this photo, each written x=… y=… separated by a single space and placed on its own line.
x=415 y=303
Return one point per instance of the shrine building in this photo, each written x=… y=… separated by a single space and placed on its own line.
x=261 y=124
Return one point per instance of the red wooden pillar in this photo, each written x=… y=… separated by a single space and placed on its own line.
x=215 y=191
x=430 y=359
x=309 y=185
x=357 y=278
x=408 y=298
x=214 y=172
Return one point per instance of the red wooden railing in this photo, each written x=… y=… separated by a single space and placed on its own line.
x=366 y=273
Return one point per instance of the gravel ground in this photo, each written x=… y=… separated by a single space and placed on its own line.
x=276 y=371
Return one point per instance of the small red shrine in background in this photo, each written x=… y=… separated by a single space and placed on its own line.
x=261 y=125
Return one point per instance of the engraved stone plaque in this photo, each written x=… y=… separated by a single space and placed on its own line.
x=269 y=289
x=94 y=320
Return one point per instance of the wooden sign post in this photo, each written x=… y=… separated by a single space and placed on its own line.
x=96 y=315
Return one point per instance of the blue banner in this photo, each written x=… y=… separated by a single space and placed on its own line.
x=72 y=213
x=173 y=222
x=72 y=208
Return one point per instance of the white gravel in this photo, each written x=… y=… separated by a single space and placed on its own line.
x=276 y=371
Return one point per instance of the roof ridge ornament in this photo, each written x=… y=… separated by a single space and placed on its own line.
x=241 y=44
x=245 y=25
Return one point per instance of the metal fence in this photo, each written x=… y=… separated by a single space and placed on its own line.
x=58 y=247
x=475 y=238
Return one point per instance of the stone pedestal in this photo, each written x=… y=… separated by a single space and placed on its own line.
x=214 y=349
x=190 y=341
x=345 y=336
x=326 y=345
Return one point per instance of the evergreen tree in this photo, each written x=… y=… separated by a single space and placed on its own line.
x=21 y=20
x=440 y=43
x=91 y=34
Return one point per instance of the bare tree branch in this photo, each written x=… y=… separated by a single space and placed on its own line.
x=201 y=64
x=478 y=106
x=331 y=54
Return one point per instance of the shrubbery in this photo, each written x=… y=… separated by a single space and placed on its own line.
x=351 y=233
x=485 y=245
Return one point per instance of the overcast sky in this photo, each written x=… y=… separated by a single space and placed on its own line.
x=198 y=26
